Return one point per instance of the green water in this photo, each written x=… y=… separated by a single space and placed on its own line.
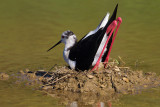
x=29 y=27
x=20 y=96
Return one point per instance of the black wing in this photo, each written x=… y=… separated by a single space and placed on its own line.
x=84 y=51
x=113 y=17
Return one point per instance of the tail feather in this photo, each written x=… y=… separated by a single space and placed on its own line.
x=113 y=17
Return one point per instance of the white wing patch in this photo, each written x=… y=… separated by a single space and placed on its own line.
x=100 y=49
x=101 y=25
x=105 y=20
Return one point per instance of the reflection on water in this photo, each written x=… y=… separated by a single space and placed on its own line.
x=72 y=104
x=99 y=104
x=70 y=99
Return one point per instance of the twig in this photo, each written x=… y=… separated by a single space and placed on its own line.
x=113 y=85
x=121 y=59
x=124 y=67
x=58 y=80
x=49 y=70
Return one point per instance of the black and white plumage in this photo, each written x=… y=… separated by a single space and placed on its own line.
x=83 y=54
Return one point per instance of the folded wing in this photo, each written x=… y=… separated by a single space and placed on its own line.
x=85 y=50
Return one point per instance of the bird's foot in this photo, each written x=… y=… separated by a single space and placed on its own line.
x=95 y=67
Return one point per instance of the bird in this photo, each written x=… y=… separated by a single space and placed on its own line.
x=94 y=47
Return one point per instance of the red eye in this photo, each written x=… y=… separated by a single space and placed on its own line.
x=62 y=36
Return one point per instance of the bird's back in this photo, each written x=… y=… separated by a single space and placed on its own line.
x=85 y=50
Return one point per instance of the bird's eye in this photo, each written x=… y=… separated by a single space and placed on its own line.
x=62 y=36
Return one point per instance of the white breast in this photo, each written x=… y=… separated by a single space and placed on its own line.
x=71 y=63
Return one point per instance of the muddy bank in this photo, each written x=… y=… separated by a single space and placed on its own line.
x=102 y=85
x=111 y=80
x=4 y=76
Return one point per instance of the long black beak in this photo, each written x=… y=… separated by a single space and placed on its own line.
x=54 y=46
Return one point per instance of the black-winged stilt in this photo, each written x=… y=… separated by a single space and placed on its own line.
x=94 y=47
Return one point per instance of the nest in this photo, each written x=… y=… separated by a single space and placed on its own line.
x=90 y=87
x=110 y=80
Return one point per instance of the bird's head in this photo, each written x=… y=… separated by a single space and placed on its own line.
x=67 y=37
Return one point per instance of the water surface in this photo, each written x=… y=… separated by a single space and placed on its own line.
x=29 y=27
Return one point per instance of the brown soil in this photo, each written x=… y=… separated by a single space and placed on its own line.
x=111 y=80
x=4 y=76
x=105 y=82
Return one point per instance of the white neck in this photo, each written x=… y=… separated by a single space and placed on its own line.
x=68 y=44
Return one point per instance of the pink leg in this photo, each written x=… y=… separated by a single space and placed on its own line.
x=109 y=104
x=110 y=29
x=107 y=58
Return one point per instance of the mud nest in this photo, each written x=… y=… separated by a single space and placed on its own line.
x=110 y=80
